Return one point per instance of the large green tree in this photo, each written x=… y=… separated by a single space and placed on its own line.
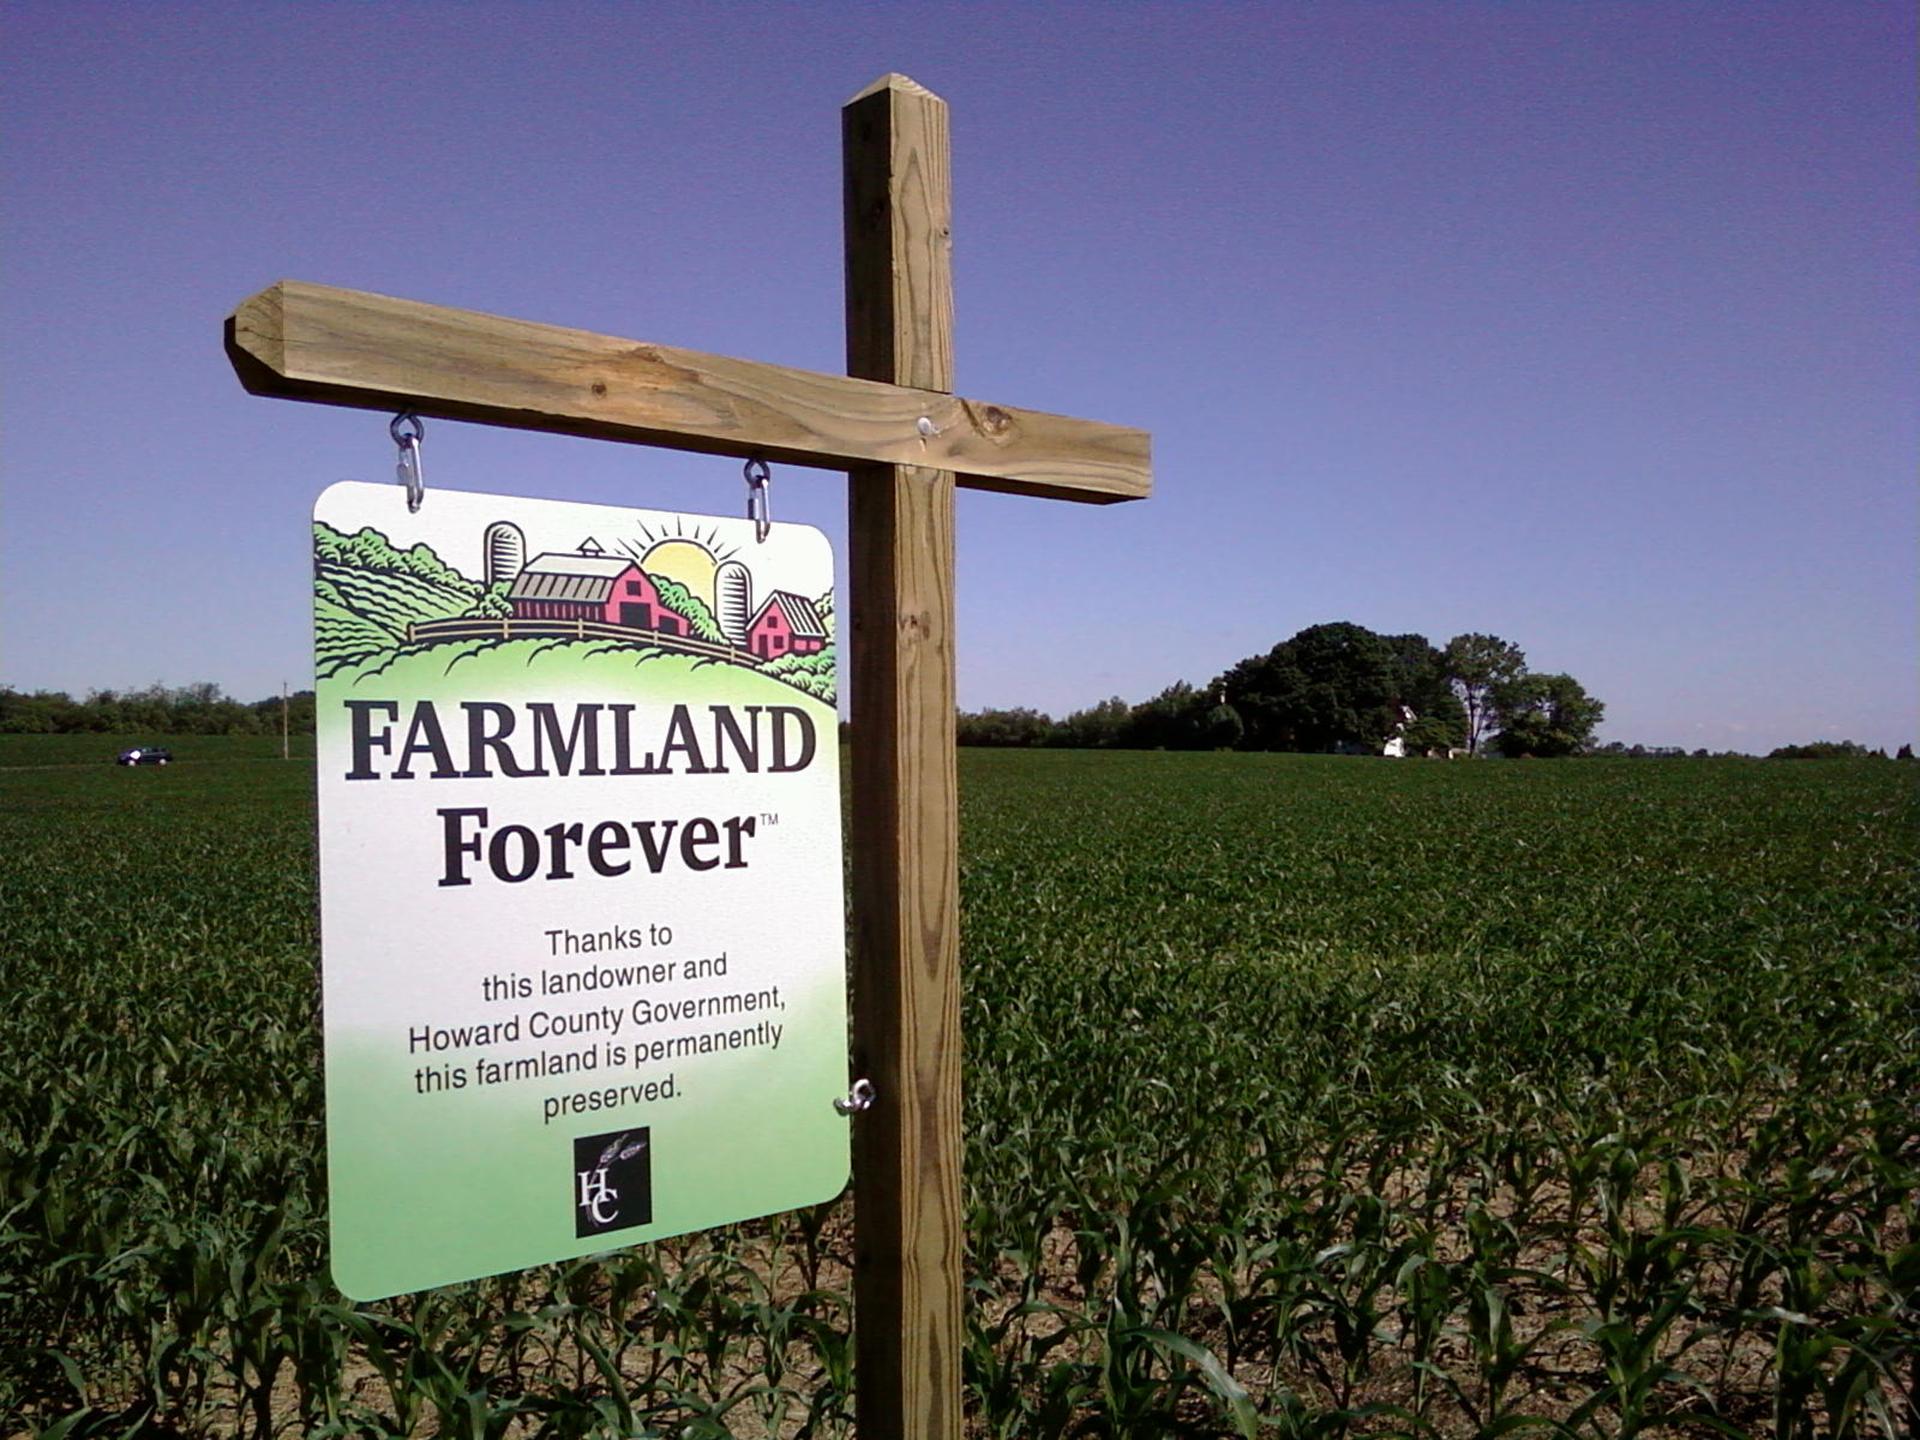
x=1421 y=684
x=1327 y=686
x=1477 y=666
x=1021 y=726
x=1175 y=719
x=1095 y=728
x=1545 y=715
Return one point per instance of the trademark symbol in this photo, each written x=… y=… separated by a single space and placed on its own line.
x=769 y=819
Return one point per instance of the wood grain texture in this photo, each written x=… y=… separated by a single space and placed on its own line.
x=347 y=347
x=909 y=1237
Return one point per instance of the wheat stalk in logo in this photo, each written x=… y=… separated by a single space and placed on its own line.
x=621 y=1150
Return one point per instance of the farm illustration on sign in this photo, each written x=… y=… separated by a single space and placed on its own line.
x=673 y=590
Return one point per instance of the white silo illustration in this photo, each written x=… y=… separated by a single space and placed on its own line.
x=506 y=551
x=733 y=600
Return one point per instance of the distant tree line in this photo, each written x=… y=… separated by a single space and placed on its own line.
x=202 y=709
x=1817 y=750
x=1834 y=750
x=1328 y=688
x=1332 y=688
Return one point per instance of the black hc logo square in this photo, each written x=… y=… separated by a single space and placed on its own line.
x=612 y=1181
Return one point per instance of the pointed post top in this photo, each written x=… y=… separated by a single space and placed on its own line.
x=894 y=80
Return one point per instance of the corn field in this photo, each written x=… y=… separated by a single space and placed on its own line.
x=1304 y=1097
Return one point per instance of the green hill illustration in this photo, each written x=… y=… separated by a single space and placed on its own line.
x=375 y=603
x=366 y=593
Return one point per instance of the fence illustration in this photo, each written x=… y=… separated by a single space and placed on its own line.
x=472 y=627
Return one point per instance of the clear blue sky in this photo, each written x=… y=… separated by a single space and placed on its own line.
x=1594 y=326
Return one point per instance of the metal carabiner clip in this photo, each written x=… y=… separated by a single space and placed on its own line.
x=759 y=498
x=408 y=430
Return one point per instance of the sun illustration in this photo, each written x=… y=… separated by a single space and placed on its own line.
x=690 y=559
x=687 y=561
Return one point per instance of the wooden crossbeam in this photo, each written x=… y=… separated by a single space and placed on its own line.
x=300 y=341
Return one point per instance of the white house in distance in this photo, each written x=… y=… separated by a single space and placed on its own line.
x=1396 y=746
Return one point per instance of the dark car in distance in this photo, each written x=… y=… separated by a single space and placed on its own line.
x=145 y=755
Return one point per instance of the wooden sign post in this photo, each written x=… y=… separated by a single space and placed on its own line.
x=905 y=441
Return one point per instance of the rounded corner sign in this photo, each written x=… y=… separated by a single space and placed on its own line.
x=582 y=929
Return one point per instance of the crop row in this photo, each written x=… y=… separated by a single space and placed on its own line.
x=1304 y=1096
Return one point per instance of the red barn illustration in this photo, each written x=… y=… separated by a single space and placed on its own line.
x=786 y=625
x=591 y=586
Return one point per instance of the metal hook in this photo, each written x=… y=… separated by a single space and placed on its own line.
x=858 y=1099
x=759 y=498
x=408 y=430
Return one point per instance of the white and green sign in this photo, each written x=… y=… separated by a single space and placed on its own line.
x=581 y=915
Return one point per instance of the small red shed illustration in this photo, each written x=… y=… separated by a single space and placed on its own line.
x=786 y=625
x=609 y=589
